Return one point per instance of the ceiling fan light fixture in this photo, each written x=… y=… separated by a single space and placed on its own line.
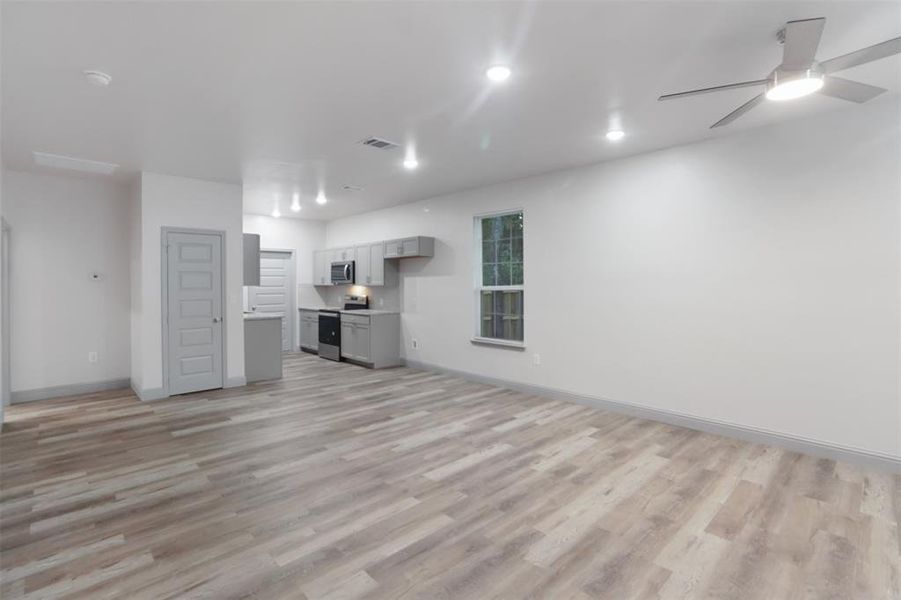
x=794 y=85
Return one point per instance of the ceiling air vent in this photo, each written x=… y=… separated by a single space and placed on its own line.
x=379 y=143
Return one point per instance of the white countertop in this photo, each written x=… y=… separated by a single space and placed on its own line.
x=363 y=312
x=260 y=316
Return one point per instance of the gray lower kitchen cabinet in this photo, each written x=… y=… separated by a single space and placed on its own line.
x=309 y=330
x=362 y=342
x=348 y=343
x=372 y=340
x=262 y=348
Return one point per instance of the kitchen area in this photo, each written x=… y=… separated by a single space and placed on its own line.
x=332 y=316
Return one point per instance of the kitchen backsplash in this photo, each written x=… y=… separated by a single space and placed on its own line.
x=385 y=298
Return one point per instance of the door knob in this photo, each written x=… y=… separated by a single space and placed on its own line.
x=216 y=319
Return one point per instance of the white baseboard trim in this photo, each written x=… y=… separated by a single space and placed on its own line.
x=149 y=393
x=160 y=393
x=755 y=435
x=73 y=389
x=235 y=382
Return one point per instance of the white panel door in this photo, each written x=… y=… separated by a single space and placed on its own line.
x=275 y=293
x=195 y=308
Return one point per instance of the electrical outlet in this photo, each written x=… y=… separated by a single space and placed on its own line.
x=415 y=344
x=536 y=359
x=381 y=302
x=92 y=357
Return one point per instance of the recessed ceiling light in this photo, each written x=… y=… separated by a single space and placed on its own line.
x=498 y=73
x=614 y=135
x=98 y=78
x=295 y=202
x=410 y=163
x=807 y=83
x=321 y=199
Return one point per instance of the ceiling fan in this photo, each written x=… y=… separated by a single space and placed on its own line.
x=800 y=74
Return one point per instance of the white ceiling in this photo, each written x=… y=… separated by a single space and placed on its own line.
x=277 y=95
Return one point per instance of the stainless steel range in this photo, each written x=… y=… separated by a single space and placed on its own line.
x=330 y=326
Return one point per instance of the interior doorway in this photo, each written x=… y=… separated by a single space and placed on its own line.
x=277 y=293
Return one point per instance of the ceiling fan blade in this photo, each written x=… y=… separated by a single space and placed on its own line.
x=719 y=88
x=800 y=42
x=862 y=56
x=739 y=111
x=853 y=91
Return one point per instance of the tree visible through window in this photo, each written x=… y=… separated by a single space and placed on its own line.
x=500 y=286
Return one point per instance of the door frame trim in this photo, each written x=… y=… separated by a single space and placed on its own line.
x=164 y=312
x=5 y=339
x=295 y=335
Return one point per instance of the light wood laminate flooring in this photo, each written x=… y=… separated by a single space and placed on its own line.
x=342 y=482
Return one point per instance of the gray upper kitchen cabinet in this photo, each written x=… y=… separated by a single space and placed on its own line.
x=370 y=265
x=342 y=254
x=322 y=263
x=410 y=247
x=362 y=266
x=251 y=259
x=377 y=265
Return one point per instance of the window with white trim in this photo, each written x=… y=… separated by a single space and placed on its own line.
x=499 y=280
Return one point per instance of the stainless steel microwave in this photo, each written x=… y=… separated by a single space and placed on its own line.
x=343 y=273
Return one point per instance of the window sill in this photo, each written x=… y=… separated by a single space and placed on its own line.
x=497 y=342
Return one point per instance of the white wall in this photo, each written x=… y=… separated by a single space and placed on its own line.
x=301 y=235
x=62 y=229
x=167 y=201
x=752 y=279
x=135 y=282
